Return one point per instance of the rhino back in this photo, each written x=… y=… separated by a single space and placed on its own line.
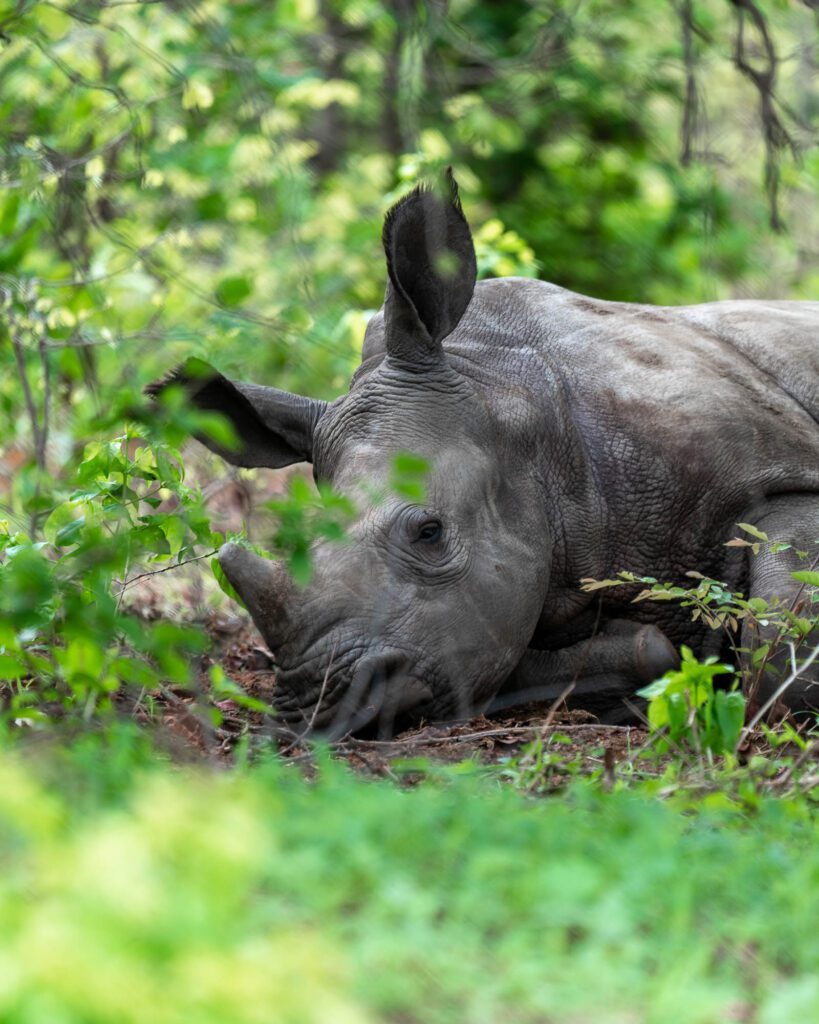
x=714 y=405
x=690 y=416
x=733 y=386
x=779 y=339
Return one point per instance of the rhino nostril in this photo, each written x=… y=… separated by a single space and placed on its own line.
x=382 y=691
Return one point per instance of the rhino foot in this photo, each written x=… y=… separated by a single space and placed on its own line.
x=602 y=673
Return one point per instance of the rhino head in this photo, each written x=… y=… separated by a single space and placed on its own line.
x=428 y=607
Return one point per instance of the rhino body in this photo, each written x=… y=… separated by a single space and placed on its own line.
x=569 y=438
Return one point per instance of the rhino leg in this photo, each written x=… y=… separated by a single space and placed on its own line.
x=603 y=672
x=793 y=519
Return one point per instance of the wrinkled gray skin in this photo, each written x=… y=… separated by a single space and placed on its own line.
x=570 y=437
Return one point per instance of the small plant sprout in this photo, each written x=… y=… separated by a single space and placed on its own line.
x=785 y=626
x=686 y=707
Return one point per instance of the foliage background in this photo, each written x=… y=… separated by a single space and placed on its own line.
x=211 y=177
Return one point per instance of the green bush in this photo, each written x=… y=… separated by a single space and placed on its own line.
x=684 y=706
x=73 y=545
x=133 y=893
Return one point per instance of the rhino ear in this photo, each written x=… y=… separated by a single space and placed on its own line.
x=273 y=428
x=432 y=270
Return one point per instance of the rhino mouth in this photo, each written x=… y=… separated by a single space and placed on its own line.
x=377 y=693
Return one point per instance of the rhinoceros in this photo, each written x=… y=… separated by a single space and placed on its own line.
x=569 y=438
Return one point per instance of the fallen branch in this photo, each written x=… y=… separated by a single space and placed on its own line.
x=533 y=730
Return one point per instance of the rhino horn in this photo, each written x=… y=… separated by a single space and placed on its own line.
x=432 y=270
x=264 y=587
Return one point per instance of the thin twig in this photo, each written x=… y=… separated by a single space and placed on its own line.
x=690 y=103
x=312 y=722
x=796 y=764
x=771 y=701
x=165 y=568
x=19 y=354
x=547 y=721
x=42 y=347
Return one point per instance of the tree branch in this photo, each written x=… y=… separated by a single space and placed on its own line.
x=763 y=79
x=691 y=98
x=20 y=357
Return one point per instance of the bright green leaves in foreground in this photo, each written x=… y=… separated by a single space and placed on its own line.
x=686 y=711
x=245 y=898
x=685 y=705
x=408 y=477
x=302 y=515
x=306 y=514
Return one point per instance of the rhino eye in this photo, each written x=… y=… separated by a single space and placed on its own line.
x=429 y=531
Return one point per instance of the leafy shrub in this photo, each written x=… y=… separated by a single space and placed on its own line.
x=689 y=712
x=72 y=546
x=685 y=709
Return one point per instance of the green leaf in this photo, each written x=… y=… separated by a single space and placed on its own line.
x=301 y=491
x=300 y=566
x=224 y=583
x=224 y=688
x=589 y=585
x=217 y=428
x=62 y=527
x=175 y=530
x=409 y=473
x=806 y=576
x=151 y=538
x=415 y=492
x=754 y=531
x=730 y=714
x=12 y=667
x=407 y=464
x=232 y=291
x=82 y=657
x=655 y=689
